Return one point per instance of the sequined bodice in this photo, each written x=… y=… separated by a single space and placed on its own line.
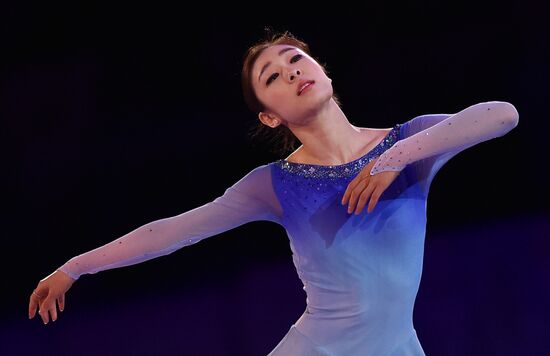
x=305 y=187
x=323 y=236
x=349 y=263
x=342 y=170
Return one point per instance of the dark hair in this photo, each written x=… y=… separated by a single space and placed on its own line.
x=280 y=134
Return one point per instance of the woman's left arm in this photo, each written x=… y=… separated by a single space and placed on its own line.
x=426 y=143
x=475 y=124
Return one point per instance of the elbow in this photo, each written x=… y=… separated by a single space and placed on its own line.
x=510 y=114
x=504 y=112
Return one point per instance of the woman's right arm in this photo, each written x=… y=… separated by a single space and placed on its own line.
x=251 y=198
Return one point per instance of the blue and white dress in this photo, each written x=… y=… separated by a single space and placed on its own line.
x=360 y=273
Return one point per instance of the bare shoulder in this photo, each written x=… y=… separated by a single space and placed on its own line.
x=374 y=135
x=296 y=156
x=374 y=132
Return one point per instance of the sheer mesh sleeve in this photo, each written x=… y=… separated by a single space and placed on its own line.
x=427 y=142
x=251 y=198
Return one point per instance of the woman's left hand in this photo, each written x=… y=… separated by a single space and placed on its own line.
x=364 y=186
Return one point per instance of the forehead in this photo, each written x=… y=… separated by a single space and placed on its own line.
x=271 y=53
x=274 y=50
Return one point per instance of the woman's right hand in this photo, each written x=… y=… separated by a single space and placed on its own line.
x=49 y=290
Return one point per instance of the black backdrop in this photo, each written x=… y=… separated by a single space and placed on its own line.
x=115 y=116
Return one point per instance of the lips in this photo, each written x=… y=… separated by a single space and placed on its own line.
x=304 y=85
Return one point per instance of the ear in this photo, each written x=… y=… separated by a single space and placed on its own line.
x=269 y=119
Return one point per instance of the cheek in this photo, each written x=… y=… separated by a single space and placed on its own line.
x=264 y=96
x=326 y=82
x=323 y=75
x=275 y=95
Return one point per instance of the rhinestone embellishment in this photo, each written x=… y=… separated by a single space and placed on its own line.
x=341 y=170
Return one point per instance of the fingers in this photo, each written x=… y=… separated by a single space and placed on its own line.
x=47 y=309
x=33 y=305
x=48 y=296
x=363 y=199
x=363 y=176
x=349 y=189
x=43 y=312
x=374 y=199
x=355 y=189
x=367 y=188
x=356 y=192
x=52 y=307
x=45 y=305
x=61 y=302
x=35 y=299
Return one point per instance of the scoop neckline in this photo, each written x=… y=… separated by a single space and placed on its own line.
x=284 y=161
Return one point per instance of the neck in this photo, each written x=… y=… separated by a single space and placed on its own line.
x=328 y=137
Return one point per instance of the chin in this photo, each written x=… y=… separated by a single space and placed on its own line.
x=325 y=93
x=324 y=98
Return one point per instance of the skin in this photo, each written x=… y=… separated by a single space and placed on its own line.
x=47 y=292
x=327 y=136
x=316 y=120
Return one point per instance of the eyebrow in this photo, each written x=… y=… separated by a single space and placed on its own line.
x=286 y=49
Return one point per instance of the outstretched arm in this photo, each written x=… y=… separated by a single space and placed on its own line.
x=251 y=198
x=428 y=141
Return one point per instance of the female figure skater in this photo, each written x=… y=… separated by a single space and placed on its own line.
x=360 y=267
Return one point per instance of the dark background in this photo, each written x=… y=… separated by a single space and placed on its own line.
x=115 y=116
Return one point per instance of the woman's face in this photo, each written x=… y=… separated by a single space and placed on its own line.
x=290 y=83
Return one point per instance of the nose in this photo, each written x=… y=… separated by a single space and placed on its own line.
x=293 y=74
